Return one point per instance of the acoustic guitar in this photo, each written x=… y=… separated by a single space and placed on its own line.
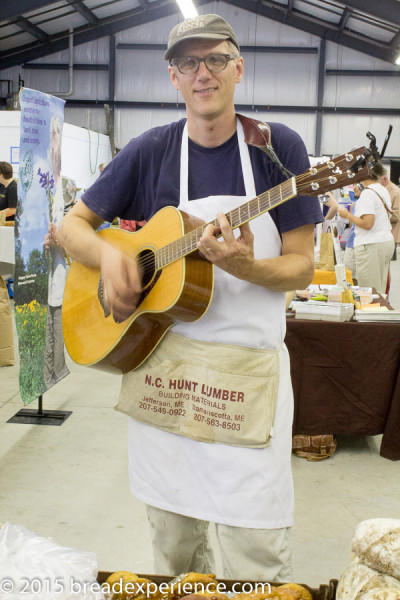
x=177 y=281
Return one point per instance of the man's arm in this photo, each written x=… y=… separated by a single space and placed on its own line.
x=119 y=271
x=294 y=269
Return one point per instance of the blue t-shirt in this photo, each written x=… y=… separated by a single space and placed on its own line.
x=145 y=176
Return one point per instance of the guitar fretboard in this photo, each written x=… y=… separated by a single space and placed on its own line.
x=240 y=215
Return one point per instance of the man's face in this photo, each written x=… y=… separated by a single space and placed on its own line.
x=206 y=94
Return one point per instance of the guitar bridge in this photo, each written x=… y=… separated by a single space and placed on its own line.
x=101 y=297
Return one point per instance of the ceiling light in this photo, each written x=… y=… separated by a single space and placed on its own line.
x=188 y=9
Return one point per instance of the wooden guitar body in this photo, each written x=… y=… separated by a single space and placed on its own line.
x=180 y=290
x=177 y=282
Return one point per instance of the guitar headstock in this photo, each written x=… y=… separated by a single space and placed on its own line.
x=338 y=172
x=347 y=169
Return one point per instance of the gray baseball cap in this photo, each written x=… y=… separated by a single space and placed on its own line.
x=208 y=27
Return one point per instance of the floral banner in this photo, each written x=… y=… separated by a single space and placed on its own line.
x=40 y=264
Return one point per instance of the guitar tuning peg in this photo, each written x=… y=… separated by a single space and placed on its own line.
x=331 y=164
x=313 y=170
x=338 y=171
x=332 y=179
x=314 y=186
x=350 y=174
x=348 y=157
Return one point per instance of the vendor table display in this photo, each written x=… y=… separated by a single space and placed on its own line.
x=346 y=379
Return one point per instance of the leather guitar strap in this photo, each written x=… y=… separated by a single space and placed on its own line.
x=257 y=133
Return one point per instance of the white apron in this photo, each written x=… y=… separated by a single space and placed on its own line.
x=243 y=487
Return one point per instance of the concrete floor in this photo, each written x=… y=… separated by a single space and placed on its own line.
x=70 y=482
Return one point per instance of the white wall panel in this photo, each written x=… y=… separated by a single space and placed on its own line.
x=129 y=123
x=373 y=92
x=142 y=75
x=90 y=118
x=343 y=132
x=283 y=79
x=341 y=57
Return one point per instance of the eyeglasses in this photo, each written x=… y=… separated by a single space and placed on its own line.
x=191 y=64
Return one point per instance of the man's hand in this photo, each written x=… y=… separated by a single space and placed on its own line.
x=233 y=255
x=121 y=282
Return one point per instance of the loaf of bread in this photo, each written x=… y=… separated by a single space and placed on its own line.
x=360 y=582
x=376 y=543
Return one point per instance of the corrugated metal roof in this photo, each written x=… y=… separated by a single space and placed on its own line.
x=32 y=29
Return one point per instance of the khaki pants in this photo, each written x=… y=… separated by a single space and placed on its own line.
x=350 y=261
x=181 y=544
x=372 y=263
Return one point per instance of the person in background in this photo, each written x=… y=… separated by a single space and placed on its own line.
x=349 y=258
x=8 y=191
x=203 y=165
x=373 y=242
x=394 y=193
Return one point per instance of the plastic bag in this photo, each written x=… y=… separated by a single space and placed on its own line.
x=34 y=567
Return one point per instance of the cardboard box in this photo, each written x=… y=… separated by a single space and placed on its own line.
x=324 y=592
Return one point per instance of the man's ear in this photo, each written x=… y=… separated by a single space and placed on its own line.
x=239 y=69
x=173 y=77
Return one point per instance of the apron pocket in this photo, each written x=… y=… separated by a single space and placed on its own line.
x=207 y=392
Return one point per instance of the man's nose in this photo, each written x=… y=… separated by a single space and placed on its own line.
x=202 y=70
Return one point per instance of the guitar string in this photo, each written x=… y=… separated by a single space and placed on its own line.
x=173 y=251
x=273 y=195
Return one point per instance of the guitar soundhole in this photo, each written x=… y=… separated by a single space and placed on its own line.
x=147 y=268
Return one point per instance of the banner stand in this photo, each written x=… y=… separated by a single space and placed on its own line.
x=29 y=416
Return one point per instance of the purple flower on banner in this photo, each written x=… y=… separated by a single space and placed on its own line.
x=47 y=183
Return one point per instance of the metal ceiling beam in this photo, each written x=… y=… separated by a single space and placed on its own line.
x=9 y=9
x=388 y=10
x=361 y=73
x=84 y=11
x=31 y=28
x=343 y=19
x=346 y=110
x=253 y=49
x=395 y=42
x=88 y=33
x=65 y=67
x=328 y=32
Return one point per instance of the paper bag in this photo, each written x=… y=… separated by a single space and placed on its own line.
x=326 y=254
x=6 y=331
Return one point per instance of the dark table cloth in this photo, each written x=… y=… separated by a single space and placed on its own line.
x=346 y=379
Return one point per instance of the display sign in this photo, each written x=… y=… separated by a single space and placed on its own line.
x=40 y=265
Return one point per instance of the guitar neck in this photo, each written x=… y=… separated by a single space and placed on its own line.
x=242 y=214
